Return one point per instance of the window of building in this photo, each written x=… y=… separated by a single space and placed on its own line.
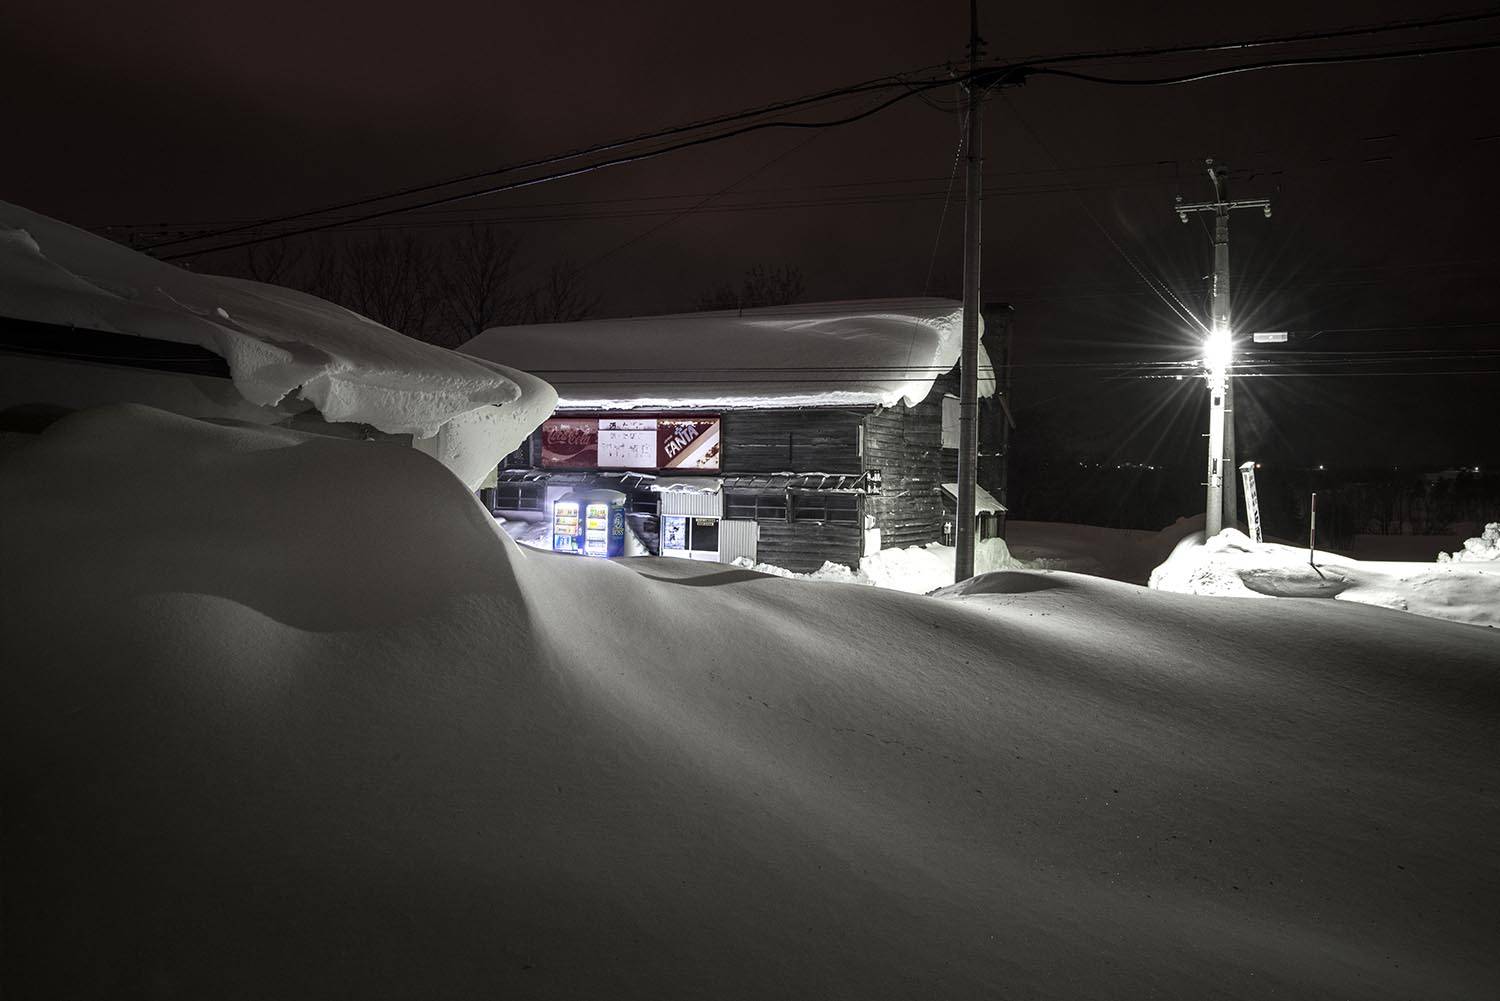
x=755 y=506
x=705 y=535
x=832 y=509
x=519 y=496
x=520 y=458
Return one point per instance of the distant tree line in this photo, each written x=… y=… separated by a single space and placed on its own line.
x=1050 y=481
x=1409 y=502
x=440 y=291
x=761 y=286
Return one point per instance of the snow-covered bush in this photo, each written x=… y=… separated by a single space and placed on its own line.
x=1485 y=548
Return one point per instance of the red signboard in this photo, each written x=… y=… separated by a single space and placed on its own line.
x=570 y=443
x=682 y=443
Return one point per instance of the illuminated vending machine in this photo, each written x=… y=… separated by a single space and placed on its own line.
x=566 y=526
x=591 y=522
x=596 y=529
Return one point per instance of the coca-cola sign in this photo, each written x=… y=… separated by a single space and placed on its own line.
x=685 y=443
x=570 y=443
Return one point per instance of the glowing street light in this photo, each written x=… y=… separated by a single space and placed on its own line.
x=1218 y=349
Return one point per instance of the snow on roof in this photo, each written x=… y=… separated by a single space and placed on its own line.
x=875 y=352
x=277 y=341
x=984 y=501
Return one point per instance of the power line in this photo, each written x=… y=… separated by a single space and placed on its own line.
x=1010 y=73
x=437 y=218
x=1162 y=290
x=1384 y=27
x=879 y=83
x=937 y=238
x=560 y=175
x=652 y=231
x=1362 y=57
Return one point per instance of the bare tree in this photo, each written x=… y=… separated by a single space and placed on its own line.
x=761 y=286
x=274 y=263
x=562 y=296
x=476 y=284
x=443 y=293
x=323 y=274
x=392 y=281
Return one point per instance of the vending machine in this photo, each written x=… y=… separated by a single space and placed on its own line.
x=591 y=522
x=565 y=525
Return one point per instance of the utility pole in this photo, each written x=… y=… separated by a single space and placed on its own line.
x=968 y=392
x=1218 y=355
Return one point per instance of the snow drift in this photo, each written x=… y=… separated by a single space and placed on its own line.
x=295 y=721
x=1233 y=564
x=914 y=569
x=1485 y=548
x=276 y=341
x=871 y=352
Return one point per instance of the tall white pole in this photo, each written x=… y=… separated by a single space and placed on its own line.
x=1221 y=357
x=1214 y=508
x=1222 y=500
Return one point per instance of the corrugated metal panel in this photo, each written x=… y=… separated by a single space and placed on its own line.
x=692 y=504
x=737 y=538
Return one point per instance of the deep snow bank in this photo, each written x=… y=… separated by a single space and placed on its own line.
x=294 y=720
x=1485 y=548
x=277 y=341
x=1233 y=564
x=914 y=569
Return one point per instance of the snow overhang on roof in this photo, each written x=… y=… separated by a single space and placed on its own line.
x=873 y=352
x=277 y=342
x=984 y=501
x=686 y=485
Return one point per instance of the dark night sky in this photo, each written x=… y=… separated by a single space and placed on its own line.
x=187 y=113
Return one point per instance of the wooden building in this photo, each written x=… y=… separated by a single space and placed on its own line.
x=812 y=433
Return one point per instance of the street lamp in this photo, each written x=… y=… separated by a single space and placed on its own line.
x=1218 y=348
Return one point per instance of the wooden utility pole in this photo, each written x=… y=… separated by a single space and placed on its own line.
x=968 y=392
x=1222 y=502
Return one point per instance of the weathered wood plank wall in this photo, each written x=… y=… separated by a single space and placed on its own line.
x=798 y=440
x=804 y=546
x=905 y=444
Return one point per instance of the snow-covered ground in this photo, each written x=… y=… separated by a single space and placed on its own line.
x=915 y=569
x=1462 y=588
x=292 y=719
x=1116 y=554
x=1231 y=564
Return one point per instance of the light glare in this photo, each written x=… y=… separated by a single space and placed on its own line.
x=1217 y=349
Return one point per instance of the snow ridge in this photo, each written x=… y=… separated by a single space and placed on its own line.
x=278 y=342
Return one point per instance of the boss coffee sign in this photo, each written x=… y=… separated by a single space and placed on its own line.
x=631 y=443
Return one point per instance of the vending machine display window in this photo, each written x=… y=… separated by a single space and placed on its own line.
x=565 y=526
x=596 y=529
x=591 y=522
